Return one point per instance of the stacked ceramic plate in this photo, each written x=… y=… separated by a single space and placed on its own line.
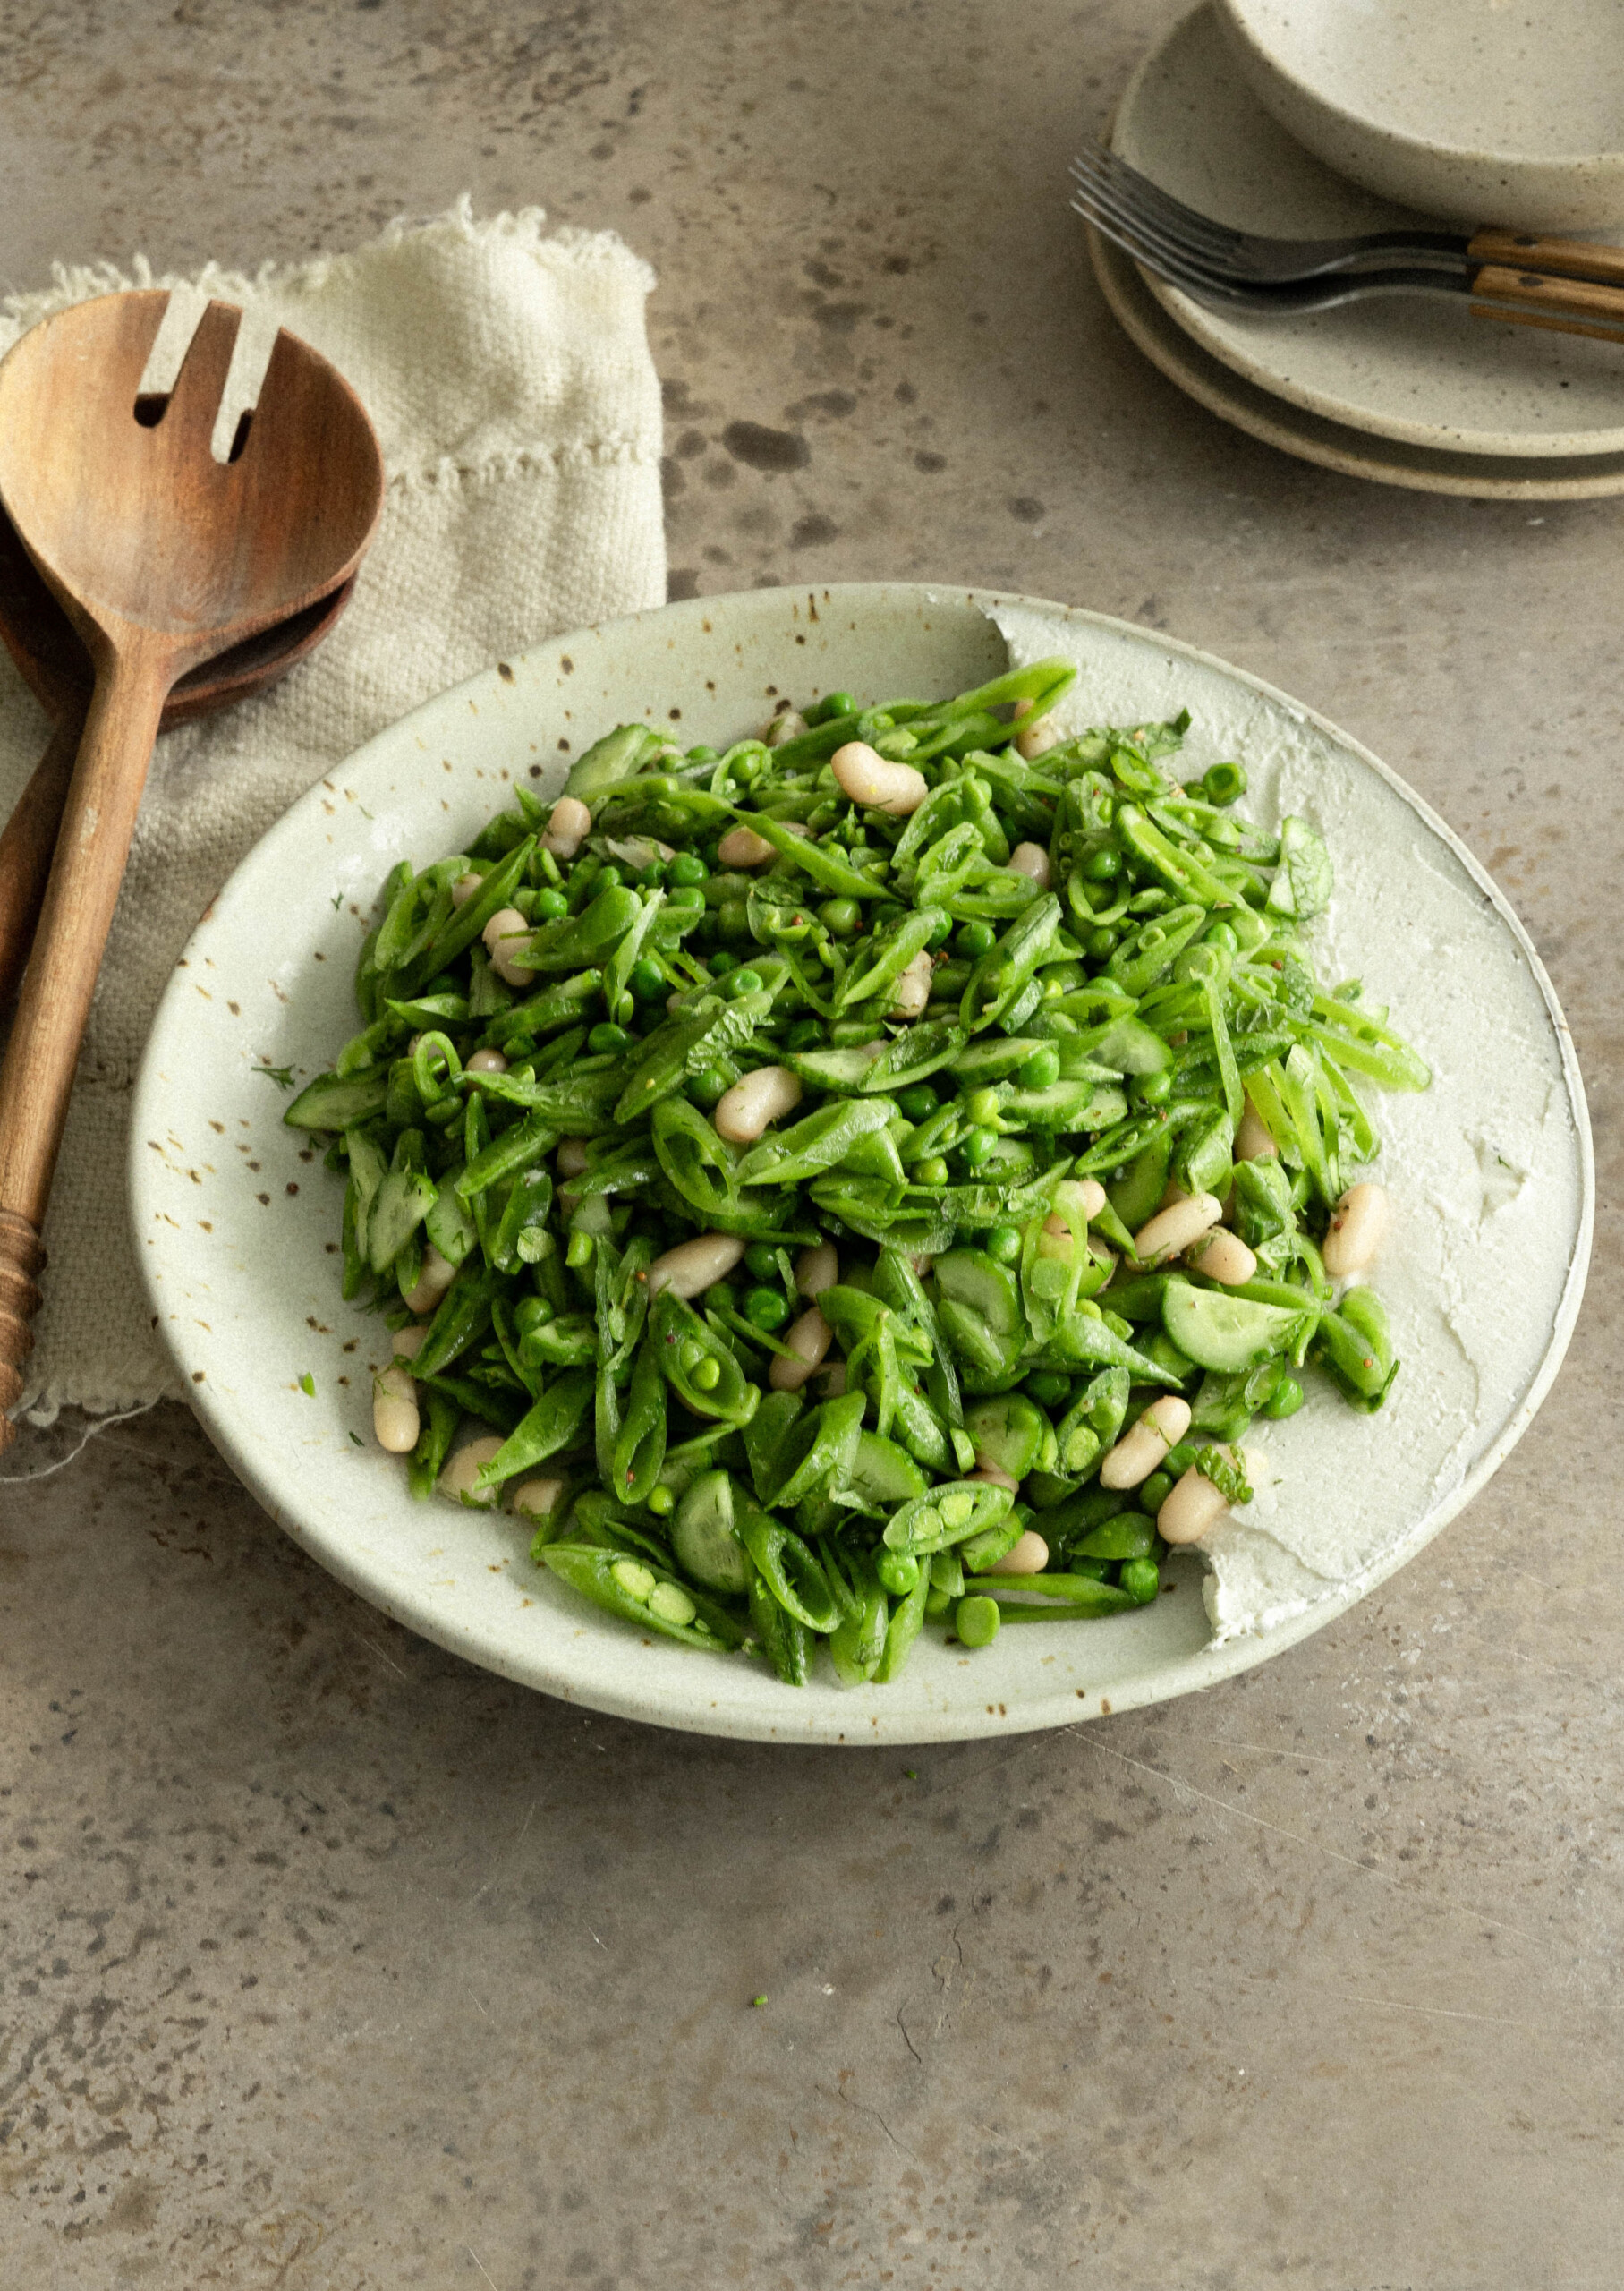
x=1408 y=389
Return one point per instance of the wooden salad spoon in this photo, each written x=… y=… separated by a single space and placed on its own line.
x=163 y=559
x=56 y=667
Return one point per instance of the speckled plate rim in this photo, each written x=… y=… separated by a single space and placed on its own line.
x=658 y=1685
x=1276 y=421
x=1206 y=329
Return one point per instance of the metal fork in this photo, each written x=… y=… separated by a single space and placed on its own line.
x=1564 y=285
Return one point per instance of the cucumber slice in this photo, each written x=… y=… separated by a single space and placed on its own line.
x=1218 y=1331
x=1136 y=1195
x=1008 y=1431
x=881 y=1472
x=703 y=1540
x=1128 y=1046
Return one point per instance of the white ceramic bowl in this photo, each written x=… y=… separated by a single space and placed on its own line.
x=1479 y=111
x=236 y=1220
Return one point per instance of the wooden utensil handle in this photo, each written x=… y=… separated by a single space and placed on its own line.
x=1562 y=305
x=97 y=822
x=27 y=844
x=1563 y=258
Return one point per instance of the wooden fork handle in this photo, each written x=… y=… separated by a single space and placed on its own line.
x=1561 y=305
x=26 y=843
x=1559 y=258
x=93 y=847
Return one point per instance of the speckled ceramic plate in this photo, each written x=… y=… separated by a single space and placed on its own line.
x=235 y=1218
x=1414 y=367
x=1332 y=445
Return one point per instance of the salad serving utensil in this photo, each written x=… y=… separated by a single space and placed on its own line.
x=1566 y=285
x=53 y=663
x=163 y=558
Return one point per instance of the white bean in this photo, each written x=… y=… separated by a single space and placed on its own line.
x=456 y=1481
x=571 y=1160
x=694 y=1267
x=486 y=1062
x=992 y=1476
x=537 y=1499
x=409 y=1341
x=787 y=725
x=395 y=1423
x=569 y=825
x=869 y=777
x=912 y=990
x=809 y=1339
x=1031 y=859
x=741 y=847
x=1225 y=1257
x=1036 y=738
x=1252 y=1142
x=817 y=1269
x=833 y=1385
x=1139 y=1452
x=1030 y=1556
x=466 y=887
x=436 y=1277
x=752 y=1105
x=505 y=936
x=1357 y=1228
x=1172 y=1230
x=1189 y=1509
x=1092 y=1200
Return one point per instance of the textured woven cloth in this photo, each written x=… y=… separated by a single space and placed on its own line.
x=509 y=376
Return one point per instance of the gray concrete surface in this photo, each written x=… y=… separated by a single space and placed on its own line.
x=329 y=1962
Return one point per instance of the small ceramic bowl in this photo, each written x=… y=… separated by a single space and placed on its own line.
x=1477 y=111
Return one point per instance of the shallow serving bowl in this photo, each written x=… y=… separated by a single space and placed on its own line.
x=1476 y=110
x=236 y=1220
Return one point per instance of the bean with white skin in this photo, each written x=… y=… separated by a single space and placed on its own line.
x=1031 y=859
x=755 y=1102
x=1172 y=1230
x=817 y=1269
x=1253 y=1141
x=395 y=1420
x=1190 y=1507
x=787 y=725
x=466 y=887
x=435 y=1276
x=569 y=825
x=1357 y=1228
x=1030 y=1556
x=572 y=1159
x=486 y=1062
x=1139 y=1452
x=456 y=1481
x=694 y=1267
x=1036 y=738
x=1225 y=1257
x=912 y=990
x=507 y=935
x=537 y=1499
x=871 y=778
x=992 y=1476
x=741 y=847
x=833 y=1383
x=808 y=1340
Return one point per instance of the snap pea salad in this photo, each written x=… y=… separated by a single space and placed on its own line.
x=779 y=1155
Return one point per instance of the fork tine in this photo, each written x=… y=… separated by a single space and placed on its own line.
x=1144 y=231
x=1203 y=286
x=1144 y=200
x=1182 y=266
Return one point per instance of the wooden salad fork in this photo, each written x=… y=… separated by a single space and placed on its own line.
x=56 y=667
x=163 y=559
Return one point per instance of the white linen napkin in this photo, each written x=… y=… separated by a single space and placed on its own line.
x=509 y=376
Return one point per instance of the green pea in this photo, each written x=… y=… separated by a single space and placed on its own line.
x=766 y=1308
x=1103 y=867
x=686 y=897
x=1220 y=934
x=1154 y=1492
x=832 y=704
x=707 y=1374
x=661 y=1502
x=898 y=1571
x=702 y=755
x=919 y=1102
x=1153 y=1089
x=550 y=905
x=721 y=963
x=840 y=917
x=942 y=932
x=1141 y=1578
x=1003 y=1246
x=1040 y=1070
x=976 y=1146
x=975 y=939
x=1178 y=1459
x=1284 y=1400
x=933 y=1172
x=1099 y=941
x=745 y=982
x=531 y=1312
x=1223 y=784
x=762 y=1261
x=625 y=1009
x=732 y=919
x=1048 y=1387
x=654 y=873
x=707 y=1086
x=604 y=1038
x=606 y=879
x=688 y=868
x=976 y=1620
x=980 y=1107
